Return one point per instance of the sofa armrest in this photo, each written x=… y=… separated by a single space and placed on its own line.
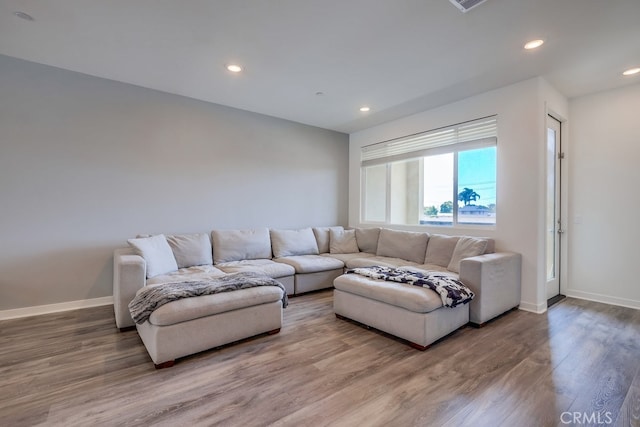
x=495 y=279
x=129 y=275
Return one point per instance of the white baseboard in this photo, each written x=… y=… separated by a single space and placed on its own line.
x=54 y=308
x=606 y=299
x=533 y=308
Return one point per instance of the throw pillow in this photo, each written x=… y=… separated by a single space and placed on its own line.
x=157 y=254
x=191 y=249
x=465 y=248
x=293 y=242
x=343 y=242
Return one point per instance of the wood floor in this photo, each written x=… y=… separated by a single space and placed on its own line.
x=581 y=359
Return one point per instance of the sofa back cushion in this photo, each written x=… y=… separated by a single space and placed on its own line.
x=491 y=246
x=465 y=248
x=343 y=242
x=238 y=245
x=440 y=249
x=191 y=249
x=323 y=238
x=293 y=242
x=157 y=254
x=367 y=239
x=407 y=245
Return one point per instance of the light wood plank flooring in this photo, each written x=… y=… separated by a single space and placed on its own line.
x=523 y=369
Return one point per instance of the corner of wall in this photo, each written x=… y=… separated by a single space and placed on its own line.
x=537 y=308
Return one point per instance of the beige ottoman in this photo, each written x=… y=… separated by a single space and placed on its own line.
x=191 y=325
x=410 y=312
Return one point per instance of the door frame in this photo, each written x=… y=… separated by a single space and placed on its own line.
x=564 y=200
x=553 y=196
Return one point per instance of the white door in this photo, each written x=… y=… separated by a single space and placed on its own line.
x=553 y=223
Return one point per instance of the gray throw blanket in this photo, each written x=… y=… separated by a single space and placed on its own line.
x=152 y=297
x=452 y=292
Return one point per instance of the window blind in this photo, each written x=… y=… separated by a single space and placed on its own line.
x=476 y=133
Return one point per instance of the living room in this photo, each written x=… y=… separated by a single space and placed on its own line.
x=93 y=155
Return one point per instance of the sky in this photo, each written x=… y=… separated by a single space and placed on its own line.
x=476 y=170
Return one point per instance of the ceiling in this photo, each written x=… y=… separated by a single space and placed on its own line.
x=397 y=56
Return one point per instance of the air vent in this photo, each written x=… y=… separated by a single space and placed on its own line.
x=466 y=5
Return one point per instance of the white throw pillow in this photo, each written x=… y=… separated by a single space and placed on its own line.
x=157 y=254
x=343 y=242
x=465 y=248
x=293 y=242
x=191 y=249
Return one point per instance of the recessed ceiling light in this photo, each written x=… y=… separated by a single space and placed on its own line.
x=533 y=44
x=24 y=16
x=234 y=68
x=631 y=71
x=365 y=109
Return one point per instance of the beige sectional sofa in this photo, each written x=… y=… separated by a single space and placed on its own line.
x=306 y=260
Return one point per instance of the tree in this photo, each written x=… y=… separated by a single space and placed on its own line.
x=430 y=211
x=467 y=195
x=446 y=207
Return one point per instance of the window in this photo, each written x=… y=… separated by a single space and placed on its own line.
x=442 y=177
x=438 y=189
x=375 y=193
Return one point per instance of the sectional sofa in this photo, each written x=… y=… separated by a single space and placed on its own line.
x=305 y=260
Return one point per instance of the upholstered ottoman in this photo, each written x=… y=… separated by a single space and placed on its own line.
x=191 y=325
x=410 y=312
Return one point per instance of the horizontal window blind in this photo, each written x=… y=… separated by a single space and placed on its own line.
x=477 y=133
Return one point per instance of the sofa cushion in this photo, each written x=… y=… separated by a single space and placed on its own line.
x=267 y=267
x=407 y=245
x=491 y=245
x=409 y=297
x=465 y=248
x=384 y=261
x=367 y=239
x=191 y=249
x=193 y=308
x=293 y=242
x=430 y=267
x=440 y=249
x=237 y=245
x=322 y=237
x=347 y=257
x=157 y=254
x=311 y=263
x=343 y=242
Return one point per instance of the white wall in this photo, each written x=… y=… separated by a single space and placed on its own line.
x=604 y=201
x=86 y=163
x=521 y=110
